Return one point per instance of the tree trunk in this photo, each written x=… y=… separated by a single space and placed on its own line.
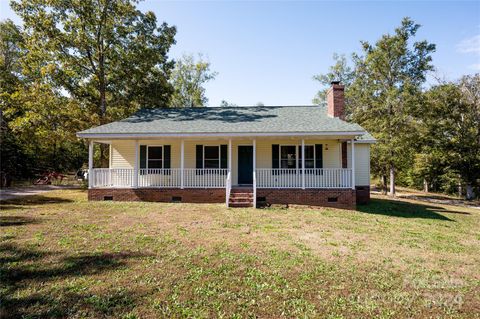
x=470 y=193
x=392 y=181
x=384 y=184
x=425 y=185
x=103 y=109
x=54 y=160
x=460 y=190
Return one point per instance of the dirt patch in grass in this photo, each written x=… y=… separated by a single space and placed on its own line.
x=62 y=256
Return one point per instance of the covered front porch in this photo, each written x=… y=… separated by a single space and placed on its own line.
x=222 y=163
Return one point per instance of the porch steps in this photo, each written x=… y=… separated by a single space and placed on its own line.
x=241 y=197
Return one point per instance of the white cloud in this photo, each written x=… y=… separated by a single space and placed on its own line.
x=470 y=45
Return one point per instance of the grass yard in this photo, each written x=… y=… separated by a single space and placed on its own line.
x=62 y=256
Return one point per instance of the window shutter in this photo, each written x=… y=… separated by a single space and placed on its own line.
x=199 y=156
x=223 y=156
x=300 y=156
x=167 y=157
x=318 y=156
x=143 y=156
x=275 y=157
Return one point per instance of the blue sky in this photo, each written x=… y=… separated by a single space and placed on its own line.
x=268 y=51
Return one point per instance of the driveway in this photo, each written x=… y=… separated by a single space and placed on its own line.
x=14 y=192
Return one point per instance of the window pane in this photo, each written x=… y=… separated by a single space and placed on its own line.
x=288 y=151
x=309 y=152
x=155 y=152
x=212 y=163
x=287 y=164
x=288 y=156
x=309 y=163
x=211 y=152
x=154 y=164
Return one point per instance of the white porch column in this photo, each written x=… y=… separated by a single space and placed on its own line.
x=353 y=163
x=182 y=164
x=254 y=155
x=254 y=173
x=303 y=163
x=90 y=164
x=135 y=167
x=230 y=155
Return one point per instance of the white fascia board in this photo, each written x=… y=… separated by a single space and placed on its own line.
x=363 y=141
x=159 y=135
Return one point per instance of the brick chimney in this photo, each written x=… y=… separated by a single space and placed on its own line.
x=336 y=100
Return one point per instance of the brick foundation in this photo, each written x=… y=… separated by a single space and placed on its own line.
x=188 y=195
x=363 y=194
x=345 y=198
x=339 y=198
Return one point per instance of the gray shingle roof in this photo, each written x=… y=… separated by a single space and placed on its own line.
x=258 y=119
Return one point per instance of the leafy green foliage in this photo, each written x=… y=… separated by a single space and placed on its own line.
x=452 y=121
x=75 y=64
x=107 y=54
x=386 y=95
x=188 y=78
x=426 y=138
x=340 y=71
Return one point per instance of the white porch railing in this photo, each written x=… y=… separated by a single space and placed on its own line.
x=220 y=178
x=164 y=178
x=314 y=178
x=155 y=177
x=116 y=177
x=205 y=178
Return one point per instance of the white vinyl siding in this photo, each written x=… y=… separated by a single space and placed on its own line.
x=362 y=163
x=123 y=154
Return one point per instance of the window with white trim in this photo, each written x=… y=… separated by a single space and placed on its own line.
x=288 y=156
x=155 y=157
x=211 y=156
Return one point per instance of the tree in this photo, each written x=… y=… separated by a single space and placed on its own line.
x=225 y=103
x=13 y=158
x=385 y=96
x=106 y=54
x=38 y=124
x=452 y=120
x=188 y=78
x=339 y=71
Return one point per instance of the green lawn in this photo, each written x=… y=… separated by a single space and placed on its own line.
x=62 y=256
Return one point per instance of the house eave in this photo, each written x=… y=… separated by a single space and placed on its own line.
x=215 y=134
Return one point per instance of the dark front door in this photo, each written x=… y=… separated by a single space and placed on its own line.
x=245 y=165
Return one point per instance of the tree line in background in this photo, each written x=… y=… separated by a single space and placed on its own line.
x=78 y=64
x=427 y=138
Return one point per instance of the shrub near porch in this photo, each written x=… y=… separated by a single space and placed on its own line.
x=65 y=257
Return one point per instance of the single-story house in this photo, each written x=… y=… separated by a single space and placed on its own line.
x=243 y=156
